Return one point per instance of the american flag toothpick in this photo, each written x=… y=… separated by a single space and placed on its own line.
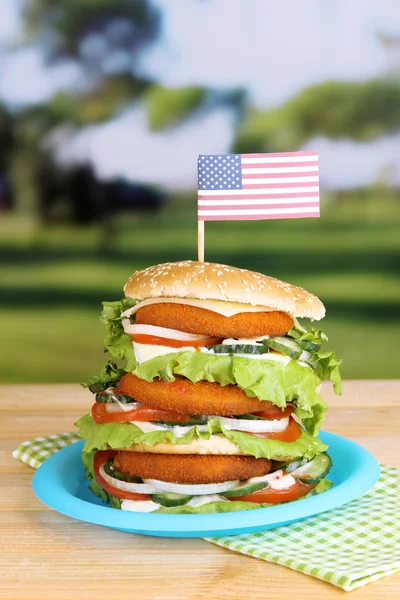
x=281 y=185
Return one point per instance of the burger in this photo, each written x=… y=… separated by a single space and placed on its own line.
x=209 y=401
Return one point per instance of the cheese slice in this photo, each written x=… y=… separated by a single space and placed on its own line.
x=228 y=309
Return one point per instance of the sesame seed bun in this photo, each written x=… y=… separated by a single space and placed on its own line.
x=209 y=281
x=216 y=445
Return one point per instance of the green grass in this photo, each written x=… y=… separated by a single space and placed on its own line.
x=52 y=281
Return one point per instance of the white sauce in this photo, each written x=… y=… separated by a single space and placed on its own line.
x=282 y=483
x=145 y=352
x=269 y=477
x=150 y=506
x=206 y=499
x=139 y=505
x=268 y=356
x=177 y=430
x=254 y=425
x=250 y=341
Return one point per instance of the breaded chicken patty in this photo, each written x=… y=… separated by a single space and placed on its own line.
x=183 y=396
x=192 y=319
x=191 y=468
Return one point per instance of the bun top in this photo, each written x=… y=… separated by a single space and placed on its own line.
x=209 y=281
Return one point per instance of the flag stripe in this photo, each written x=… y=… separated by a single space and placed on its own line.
x=247 y=217
x=282 y=177
x=257 y=202
x=257 y=211
x=259 y=207
x=272 y=181
x=267 y=155
x=288 y=166
x=271 y=191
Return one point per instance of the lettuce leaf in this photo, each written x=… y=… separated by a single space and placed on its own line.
x=117 y=342
x=275 y=381
x=231 y=506
x=87 y=459
x=309 y=335
x=122 y=435
x=326 y=366
x=110 y=372
x=212 y=507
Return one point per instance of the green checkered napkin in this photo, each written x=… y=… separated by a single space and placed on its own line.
x=35 y=452
x=349 y=546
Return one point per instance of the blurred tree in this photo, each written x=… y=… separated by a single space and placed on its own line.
x=104 y=36
x=6 y=136
x=6 y=146
x=167 y=107
x=104 y=41
x=334 y=109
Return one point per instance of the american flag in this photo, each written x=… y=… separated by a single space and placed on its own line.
x=281 y=185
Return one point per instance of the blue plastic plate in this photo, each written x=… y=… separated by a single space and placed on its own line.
x=59 y=483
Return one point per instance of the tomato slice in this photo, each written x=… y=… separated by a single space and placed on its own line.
x=142 y=338
x=143 y=413
x=271 y=496
x=291 y=433
x=273 y=412
x=100 y=458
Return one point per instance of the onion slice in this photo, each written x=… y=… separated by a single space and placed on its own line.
x=255 y=426
x=192 y=490
x=119 y=407
x=163 y=332
x=137 y=488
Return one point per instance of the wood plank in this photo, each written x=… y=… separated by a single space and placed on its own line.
x=200 y=573
x=40 y=423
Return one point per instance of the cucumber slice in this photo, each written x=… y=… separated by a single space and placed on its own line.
x=171 y=499
x=193 y=421
x=100 y=386
x=245 y=488
x=249 y=417
x=314 y=470
x=293 y=465
x=309 y=346
x=109 y=398
x=284 y=345
x=238 y=349
x=110 y=470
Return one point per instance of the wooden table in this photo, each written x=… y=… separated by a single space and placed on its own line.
x=46 y=555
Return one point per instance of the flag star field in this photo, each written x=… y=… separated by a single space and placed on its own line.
x=220 y=172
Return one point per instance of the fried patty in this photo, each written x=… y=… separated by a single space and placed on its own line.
x=191 y=468
x=185 y=397
x=192 y=319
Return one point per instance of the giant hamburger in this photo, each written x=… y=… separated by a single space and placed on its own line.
x=210 y=400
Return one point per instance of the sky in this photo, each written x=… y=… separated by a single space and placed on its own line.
x=274 y=49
